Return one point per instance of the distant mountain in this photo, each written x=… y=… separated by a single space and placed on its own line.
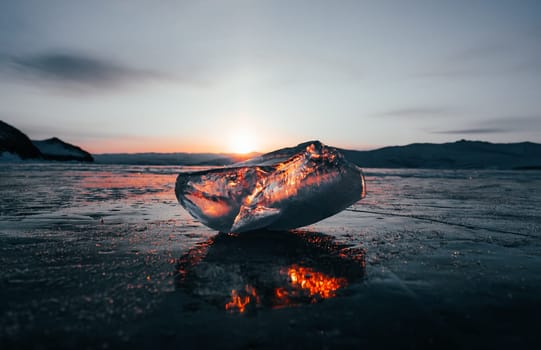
x=56 y=149
x=456 y=155
x=16 y=143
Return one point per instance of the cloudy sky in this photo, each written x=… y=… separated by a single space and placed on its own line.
x=132 y=76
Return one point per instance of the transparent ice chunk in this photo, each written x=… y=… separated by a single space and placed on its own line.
x=281 y=190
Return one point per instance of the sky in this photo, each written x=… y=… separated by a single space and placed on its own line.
x=235 y=76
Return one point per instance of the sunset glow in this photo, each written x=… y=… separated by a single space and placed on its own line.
x=243 y=142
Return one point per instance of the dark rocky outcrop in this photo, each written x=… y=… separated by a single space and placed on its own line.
x=17 y=143
x=56 y=149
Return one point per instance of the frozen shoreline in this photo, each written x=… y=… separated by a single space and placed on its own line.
x=90 y=254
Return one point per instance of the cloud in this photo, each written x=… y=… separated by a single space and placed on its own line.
x=498 y=125
x=79 y=129
x=70 y=68
x=415 y=112
x=473 y=131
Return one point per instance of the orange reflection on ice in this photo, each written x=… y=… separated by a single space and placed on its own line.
x=239 y=302
x=210 y=208
x=303 y=285
x=291 y=186
x=113 y=180
x=308 y=282
x=129 y=184
x=316 y=283
x=303 y=282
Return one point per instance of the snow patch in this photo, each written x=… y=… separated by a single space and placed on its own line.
x=7 y=157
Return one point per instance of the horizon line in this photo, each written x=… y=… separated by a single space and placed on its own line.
x=255 y=153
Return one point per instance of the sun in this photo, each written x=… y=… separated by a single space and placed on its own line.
x=243 y=142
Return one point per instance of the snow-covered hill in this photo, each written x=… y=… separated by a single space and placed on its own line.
x=56 y=149
x=16 y=145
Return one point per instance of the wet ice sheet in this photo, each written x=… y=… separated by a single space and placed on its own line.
x=91 y=254
x=42 y=193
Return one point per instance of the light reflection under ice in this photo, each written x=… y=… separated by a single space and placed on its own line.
x=264 y=269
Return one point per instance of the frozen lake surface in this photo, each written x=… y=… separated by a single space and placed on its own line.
x=104 y=256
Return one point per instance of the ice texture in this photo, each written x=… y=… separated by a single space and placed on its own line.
x=281 y=190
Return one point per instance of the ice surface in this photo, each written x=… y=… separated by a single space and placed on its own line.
x=281 y=190
x=89 y=256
